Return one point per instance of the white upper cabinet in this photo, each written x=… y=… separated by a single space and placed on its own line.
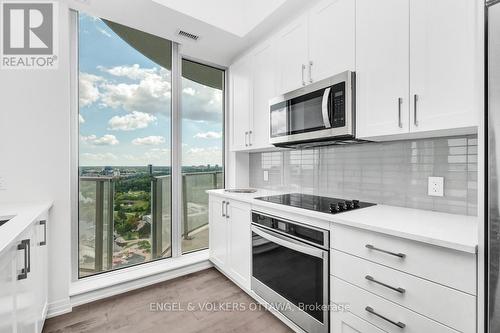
x=293 y=55
x=424 y=52
x=241 y=91
x=382 y=62
x=417 y=63
x=331 y=38
x=264 y=88
x=443 y=64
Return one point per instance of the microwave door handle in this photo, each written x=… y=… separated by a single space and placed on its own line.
x=288 y=243
x=324 y=108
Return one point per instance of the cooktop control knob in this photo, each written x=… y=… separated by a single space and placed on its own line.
x=349 y=204
x=334 y=208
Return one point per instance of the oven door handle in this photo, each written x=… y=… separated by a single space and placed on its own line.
x=324 y=108
x=289 y=243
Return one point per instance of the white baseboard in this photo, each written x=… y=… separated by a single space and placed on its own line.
x=58 y=308
x=115 y=283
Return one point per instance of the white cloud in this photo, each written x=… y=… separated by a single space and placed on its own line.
x=134 y=72
x=130 y=122
x=88 y=88
x=189 y=91
x=80 y=119
x=208 y=135
x=202 y=156
x=105 y=140
x=149 y=141
x=148 y=90
x=150 y=95
x=201 y=103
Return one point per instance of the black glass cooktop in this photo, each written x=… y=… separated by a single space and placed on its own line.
x=317 y=203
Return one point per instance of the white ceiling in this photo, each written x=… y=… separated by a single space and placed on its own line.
x=224 y=34
x=238 y=17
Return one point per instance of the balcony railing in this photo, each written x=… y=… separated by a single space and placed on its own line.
x=112 y=235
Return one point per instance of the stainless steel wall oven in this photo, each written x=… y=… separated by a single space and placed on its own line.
x=290 y=269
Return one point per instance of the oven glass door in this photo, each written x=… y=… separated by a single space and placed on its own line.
x=295 y=275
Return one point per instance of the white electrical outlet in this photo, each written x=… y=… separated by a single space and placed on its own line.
x=266 y=175
x=435 y=186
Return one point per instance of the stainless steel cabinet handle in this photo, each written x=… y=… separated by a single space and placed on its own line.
x=415 y=100
x=250 y=138
x=400 y=103
x=398 y=323
x=222 y=209
x=25 y=246
x=44 y=223
x=310 y=72
x=399 y=255
x=227 y=214
x=399 y=290
x=246 y=139
x=288 y=242
x=303 y=70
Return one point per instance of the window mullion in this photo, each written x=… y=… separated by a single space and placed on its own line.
x=176 y=153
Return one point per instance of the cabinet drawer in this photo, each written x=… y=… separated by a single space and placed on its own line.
x=445 y=305
x=346 y=322
x=384 y=314
x=448 y=267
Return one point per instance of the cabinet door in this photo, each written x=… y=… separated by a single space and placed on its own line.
x=382 y=65
x=41 y=271
x=7 y=289
x=26 y=301
x=239 y=242
x=331 y=38
x=445 y=63
x=241 y=91
x=293 y=55
x=264 y=89
x=346 y=322
x=217 y=231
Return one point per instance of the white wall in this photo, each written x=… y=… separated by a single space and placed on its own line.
x=35 y=151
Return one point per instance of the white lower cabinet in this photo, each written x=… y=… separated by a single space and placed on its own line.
x=230 y=238
x=239 y=243
x=397 y=284
x=7 y=289
x=346 y=322
x=26 y=309
x=382 y=313
x=24 y=281
x=217 y=231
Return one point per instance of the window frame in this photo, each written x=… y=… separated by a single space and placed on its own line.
x=176 y=152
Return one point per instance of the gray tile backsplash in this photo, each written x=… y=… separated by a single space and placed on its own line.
x=393 y=173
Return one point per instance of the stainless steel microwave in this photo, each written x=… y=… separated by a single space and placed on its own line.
x=320 y=113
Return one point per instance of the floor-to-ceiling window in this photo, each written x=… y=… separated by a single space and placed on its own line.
x=124 y=148
x=125 y=141
x=202 y=114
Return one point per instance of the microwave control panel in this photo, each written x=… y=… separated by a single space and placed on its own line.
x=337 y=105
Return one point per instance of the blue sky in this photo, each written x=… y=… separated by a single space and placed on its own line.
x=125 y=106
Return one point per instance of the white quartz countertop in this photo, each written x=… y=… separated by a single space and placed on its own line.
x=24 y=215
x=458 y=232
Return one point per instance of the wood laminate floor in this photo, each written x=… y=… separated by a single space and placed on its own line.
x=205 y=301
